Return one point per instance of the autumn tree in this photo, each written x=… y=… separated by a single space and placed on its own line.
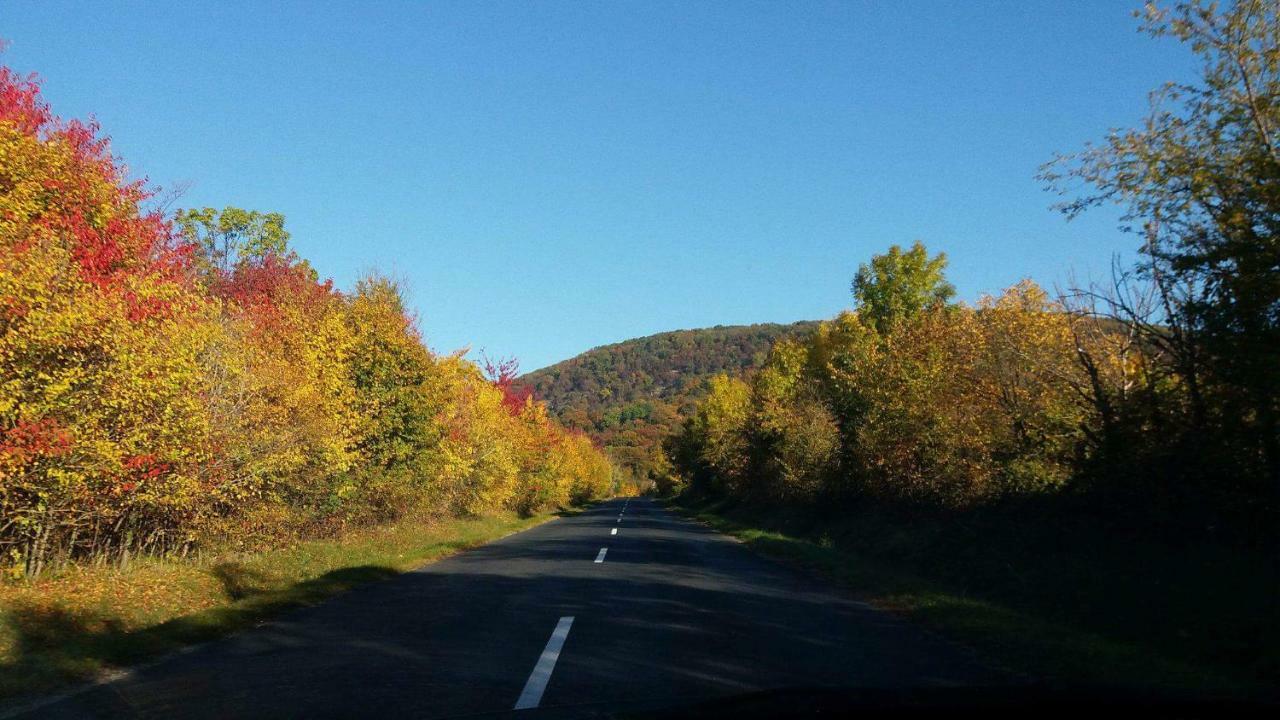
x=794 y=437
x=1198 y=182
x=503 y=372
x=102 y=432
x=717 y=431
x=477 y=466
x=174 y=382
x=946 y=406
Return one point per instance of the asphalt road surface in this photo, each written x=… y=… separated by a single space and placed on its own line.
x=623 y=608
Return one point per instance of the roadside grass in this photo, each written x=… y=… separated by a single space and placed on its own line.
x=88 y=620
x=1060 y=604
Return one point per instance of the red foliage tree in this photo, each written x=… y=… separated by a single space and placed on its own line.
x=91 y=204
x=502 y=372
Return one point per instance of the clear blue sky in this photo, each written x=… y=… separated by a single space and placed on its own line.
x=548 y=177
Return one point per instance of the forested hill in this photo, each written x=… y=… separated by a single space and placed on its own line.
x=630 y=394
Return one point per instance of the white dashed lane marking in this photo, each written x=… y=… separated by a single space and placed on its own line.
x=537 y=681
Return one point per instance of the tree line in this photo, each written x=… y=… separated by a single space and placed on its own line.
x=1152 y=397
x=169 y=381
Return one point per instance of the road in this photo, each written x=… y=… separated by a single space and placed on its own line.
x=663 y=610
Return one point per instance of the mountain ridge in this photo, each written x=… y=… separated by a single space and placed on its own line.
x=628 y=395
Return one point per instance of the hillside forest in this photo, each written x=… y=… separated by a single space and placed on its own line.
x=632 y=394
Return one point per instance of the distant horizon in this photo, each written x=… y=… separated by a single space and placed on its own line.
x=555 y=177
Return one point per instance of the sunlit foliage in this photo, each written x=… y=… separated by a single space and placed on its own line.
x=897 y=285
x=167 y=382
x=101 y=424
x=1155 y=398
x=946 y=407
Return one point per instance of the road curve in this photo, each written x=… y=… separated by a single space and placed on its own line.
x=664 y=611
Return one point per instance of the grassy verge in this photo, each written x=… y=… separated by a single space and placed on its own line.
x=87 y=620
x=1090 y=613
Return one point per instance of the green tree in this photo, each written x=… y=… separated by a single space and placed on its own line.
x=228 y=237
x=391 y=371
x=899 y=284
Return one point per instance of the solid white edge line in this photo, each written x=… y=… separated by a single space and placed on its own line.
x=537 y=682
x=600 y=555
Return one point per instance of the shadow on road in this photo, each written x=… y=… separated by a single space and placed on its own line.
x=677 y=613
x=77 y=644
